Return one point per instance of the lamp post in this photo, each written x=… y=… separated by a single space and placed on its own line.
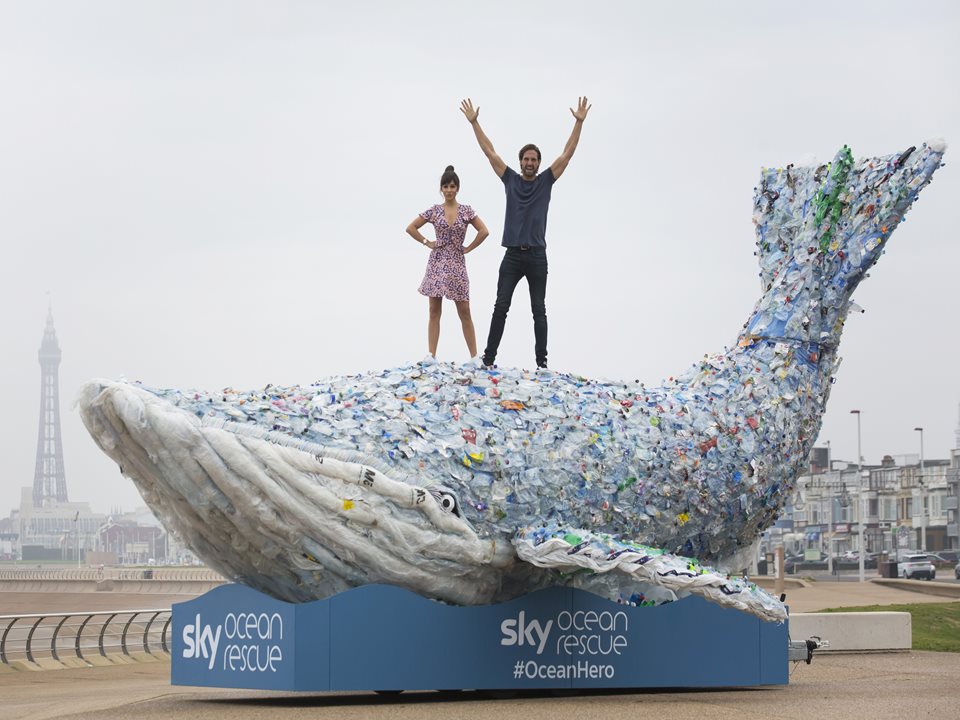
x=824 y=495
x=923 y=494
x=76 y=522
x=859 y=493
x=843 y=500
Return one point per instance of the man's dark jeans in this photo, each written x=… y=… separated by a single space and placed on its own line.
x=518 y=263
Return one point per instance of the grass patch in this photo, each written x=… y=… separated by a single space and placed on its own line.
x=936 y=626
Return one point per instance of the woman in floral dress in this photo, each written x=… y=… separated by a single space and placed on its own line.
x=446 y=275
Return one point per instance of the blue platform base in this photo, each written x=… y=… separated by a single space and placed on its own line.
x=380 y=637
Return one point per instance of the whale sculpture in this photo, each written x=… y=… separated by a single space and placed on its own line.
x=471 y=485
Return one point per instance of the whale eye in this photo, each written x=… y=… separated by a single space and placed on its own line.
x=447 y=500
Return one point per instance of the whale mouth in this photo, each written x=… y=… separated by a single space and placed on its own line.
x=289 y=517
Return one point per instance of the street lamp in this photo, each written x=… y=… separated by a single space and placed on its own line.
x=923 y=493
x=859 y=493
x=827 y=533
x=76 y=523
x=843 y=500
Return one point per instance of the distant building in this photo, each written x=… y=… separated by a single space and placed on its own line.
x=56 y=530
x=901 y=509
x=10 y=537
x=956 y=443
x=953 y=499
x=133 y=543
x=49 y=478
x=48 y=526
x=819 y=460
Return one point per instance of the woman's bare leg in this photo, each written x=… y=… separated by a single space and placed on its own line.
x=433 y=324
x=466 y=321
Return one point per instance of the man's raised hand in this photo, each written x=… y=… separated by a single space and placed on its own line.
x=466 y=107
x=582 y=109
x=470 y=113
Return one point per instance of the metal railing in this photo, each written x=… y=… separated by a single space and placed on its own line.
x=112 y=573
x=83 y=634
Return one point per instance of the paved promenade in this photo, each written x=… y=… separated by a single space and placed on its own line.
x=915 y=684
x=840 y=687
x=821 y=595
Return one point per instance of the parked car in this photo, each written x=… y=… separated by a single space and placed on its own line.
x=913 y=567
x=956 y=571
x=940 y=560
x=851 y=558
x=795 y=564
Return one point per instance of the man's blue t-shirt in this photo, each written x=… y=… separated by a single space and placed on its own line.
x=525 y=221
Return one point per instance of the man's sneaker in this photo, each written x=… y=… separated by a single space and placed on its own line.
x=541 y=364
x=487 y=364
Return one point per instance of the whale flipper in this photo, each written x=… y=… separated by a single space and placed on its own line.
x=567 y=549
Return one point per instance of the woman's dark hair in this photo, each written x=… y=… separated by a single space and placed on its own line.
x=530 y=146
x=449 y=176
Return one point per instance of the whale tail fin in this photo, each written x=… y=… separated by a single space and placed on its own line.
x=843 y=210
x=780 y=206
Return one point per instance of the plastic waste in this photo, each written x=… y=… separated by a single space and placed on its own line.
x=435 y=476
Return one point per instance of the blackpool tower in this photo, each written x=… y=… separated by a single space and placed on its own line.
x=49 y=481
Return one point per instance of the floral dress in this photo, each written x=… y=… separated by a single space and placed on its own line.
x=446 y=274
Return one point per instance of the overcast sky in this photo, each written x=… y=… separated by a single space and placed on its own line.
x=215 y=193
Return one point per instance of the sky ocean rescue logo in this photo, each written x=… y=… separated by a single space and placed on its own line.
x=583 y=632
x=252 y=642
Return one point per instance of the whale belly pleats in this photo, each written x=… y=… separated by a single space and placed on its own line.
x=248 y=506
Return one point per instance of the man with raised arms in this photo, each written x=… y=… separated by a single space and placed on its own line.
x=524 y=228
